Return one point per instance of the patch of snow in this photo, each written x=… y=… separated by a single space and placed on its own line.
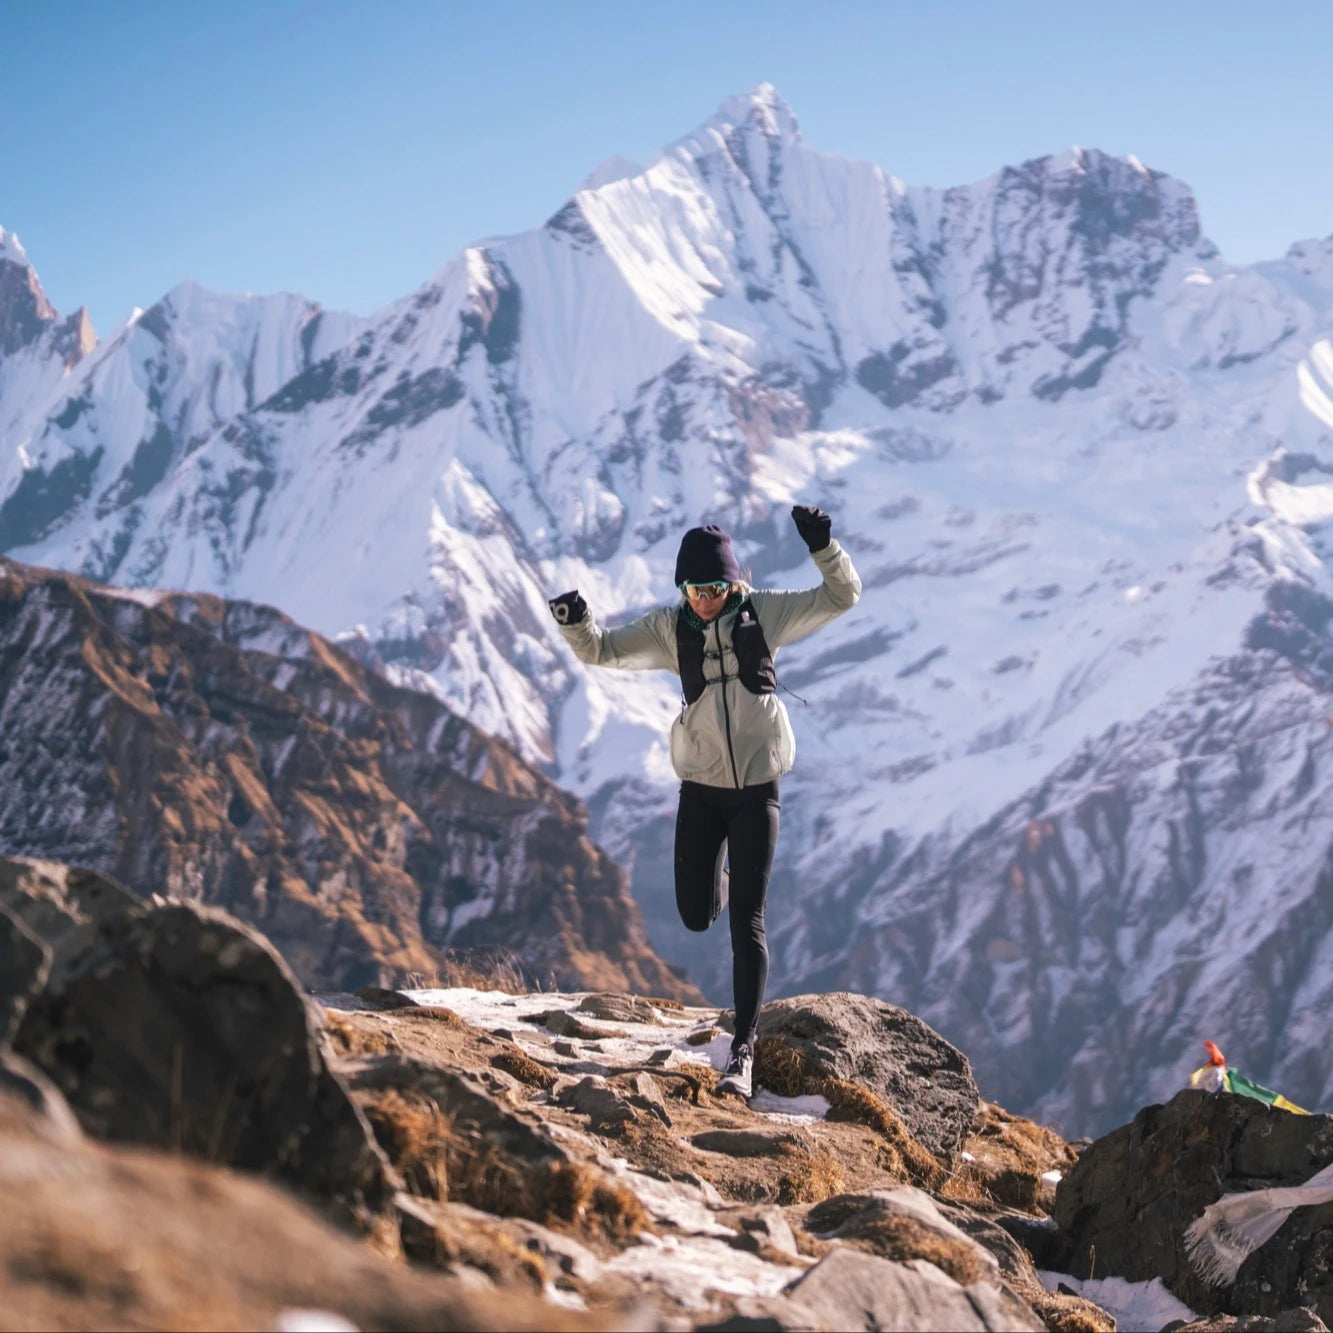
x=570 y=1300
x=313 y=1321
x=1140 y=1307
x=149 y=597
x=693 y=1269
x=790 y=1110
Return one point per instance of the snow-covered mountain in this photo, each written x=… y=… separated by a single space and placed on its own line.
x=1081 y=463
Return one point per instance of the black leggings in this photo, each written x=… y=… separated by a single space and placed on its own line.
x=744 y=822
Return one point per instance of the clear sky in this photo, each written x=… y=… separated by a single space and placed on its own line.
x=346 y=151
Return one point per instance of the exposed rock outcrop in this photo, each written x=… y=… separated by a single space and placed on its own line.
x=180 y=1028
x=856 y=1038
x=1125 y=1206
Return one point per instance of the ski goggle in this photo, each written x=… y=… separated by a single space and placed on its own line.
x=718 y=588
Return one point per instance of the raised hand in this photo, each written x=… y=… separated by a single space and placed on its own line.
x=814 y=525
x=569 y=608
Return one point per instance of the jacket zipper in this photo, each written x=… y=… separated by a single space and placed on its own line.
x=726 y=712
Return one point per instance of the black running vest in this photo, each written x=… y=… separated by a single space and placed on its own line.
x=754 y=660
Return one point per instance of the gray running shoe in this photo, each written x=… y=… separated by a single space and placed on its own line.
x=738 y=1077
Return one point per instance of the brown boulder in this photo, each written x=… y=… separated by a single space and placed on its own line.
x=849 y=1289
x=887 y=1050
x=178 y=1027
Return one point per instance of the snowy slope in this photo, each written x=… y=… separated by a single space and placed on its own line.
x=1071 y=449
x=142 y=403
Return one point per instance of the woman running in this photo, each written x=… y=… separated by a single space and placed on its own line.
x=732 y=740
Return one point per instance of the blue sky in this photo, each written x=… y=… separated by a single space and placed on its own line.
x=347 y=151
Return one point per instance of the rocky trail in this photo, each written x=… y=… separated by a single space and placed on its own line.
x=190 y=1139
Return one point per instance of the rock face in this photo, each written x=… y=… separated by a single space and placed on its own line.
x=214 y=751
x=179 y=1028
x=1125 y=1206
x=1292 y=1267
x=24 y=963
x=706 y=1202
x=850 y=1290
x=886 y=1049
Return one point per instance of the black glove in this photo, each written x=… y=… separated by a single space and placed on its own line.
x=569 y=608
x=814 y=525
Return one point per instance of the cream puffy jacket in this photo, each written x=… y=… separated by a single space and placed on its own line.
x=728 y=737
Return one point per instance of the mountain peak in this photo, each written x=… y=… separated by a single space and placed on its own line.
x=1078 y=160
x=762 y=108
x=610 y=170
x=25 y=313
x=12 y=249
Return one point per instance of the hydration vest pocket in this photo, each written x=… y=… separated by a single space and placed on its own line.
x=782 y=750
x=686 y=752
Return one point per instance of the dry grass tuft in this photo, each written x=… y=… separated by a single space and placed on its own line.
x=786 y=1071
x=350 y=1038
x=966 y=1184
x=523 y=1067
x=783 y=1069
x=659 y=1003
x=1069 y=1314
x=429 y=1013
x=478 y=969
x=851 y=1102
x=1016 y=1189
x=416 y=1136
x=703 y=1036
x=808 y=1175
x=575 y=1195
x=812 y=1246
x=565 y=1195
x=707 y=1077
x=480 y=1175
x=1010 y=1154
x=1029 y=1145
x=903 y=1238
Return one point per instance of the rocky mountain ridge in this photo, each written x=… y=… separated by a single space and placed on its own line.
x=216 y=752
x=1078 y=458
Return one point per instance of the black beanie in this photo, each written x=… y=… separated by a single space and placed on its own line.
x=706 y=556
